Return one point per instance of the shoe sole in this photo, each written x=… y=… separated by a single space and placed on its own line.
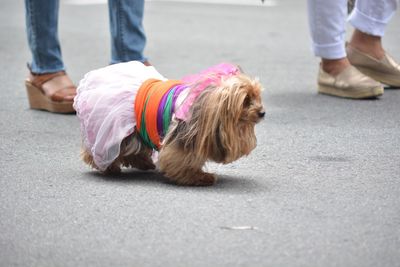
x=330 y=90
x=381 y=77
x=37 y=100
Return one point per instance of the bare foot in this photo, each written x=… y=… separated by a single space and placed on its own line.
x=334 y=66
x=368 y=44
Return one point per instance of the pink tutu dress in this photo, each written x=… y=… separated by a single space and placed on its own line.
x=105 y=101
x=104 y=105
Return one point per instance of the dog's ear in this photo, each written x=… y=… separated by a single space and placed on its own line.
x=232 y=97
x=247 y=101
x=242 y=106
x=224 y=111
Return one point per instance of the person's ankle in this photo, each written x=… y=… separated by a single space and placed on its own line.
x=46 y=73
x=334 y=66
x=368 y=44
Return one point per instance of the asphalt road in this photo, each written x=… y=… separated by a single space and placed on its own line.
x=321 y=188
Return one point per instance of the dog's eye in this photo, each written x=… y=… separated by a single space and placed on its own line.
x=247 y=101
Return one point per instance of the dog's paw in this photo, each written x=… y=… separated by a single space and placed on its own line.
x=112 y=169
x=204 y=179
x=193 y=178
x=145 y=165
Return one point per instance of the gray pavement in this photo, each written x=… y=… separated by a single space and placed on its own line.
x=321 y=189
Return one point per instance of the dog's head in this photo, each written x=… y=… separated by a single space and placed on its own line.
x=243 y=99
x=224 y=117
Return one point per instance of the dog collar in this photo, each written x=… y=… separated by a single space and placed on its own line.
x=154 y=105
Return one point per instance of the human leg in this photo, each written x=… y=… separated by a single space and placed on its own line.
x=365 y=50
x=371 y=16
x=48 y=86
x=127 y=33
x=41 y=28
x=327 y=25
x=336 y=76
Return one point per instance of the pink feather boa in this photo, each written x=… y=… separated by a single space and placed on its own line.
x=198 y=82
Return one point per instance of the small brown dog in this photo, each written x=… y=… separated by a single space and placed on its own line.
x=209 y=116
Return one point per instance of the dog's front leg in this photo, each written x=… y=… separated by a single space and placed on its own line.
x=183 y=168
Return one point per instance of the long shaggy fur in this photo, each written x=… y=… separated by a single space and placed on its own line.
x=220 y=128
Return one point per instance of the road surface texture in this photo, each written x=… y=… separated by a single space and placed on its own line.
x=321 y=188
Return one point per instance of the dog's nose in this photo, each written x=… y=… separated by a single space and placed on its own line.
x=261 y=114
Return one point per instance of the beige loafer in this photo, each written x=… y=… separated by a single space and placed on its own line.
x=386 y=70
x=350 y=83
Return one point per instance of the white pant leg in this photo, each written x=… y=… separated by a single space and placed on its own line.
x=371 y=16
x=327 y=19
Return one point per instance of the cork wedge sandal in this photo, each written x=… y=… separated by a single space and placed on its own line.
x=53 y=92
